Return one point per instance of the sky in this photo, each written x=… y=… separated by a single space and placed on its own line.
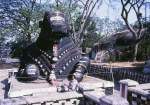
x=106 y=11
x=114 y=13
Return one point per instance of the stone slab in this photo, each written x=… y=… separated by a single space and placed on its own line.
x=94 y=95
x=18 y=88
x=91 y=83
x=129 y=82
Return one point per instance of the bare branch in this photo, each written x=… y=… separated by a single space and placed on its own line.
x=88 y=13
x=136 y=5
x=125 y=13
x=81 y=2
x=87 y=7
x=58 y=2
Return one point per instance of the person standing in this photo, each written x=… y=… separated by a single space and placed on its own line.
x=73 y=83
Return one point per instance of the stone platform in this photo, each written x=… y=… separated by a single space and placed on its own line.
x=25 y=89
x=39 y=86
x=41 y=92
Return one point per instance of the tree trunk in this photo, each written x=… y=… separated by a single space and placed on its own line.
x=28 y=39
x=135 y=52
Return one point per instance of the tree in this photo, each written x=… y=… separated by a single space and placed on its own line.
x=16 y=16
x=90 y=33
x=78 y=9
x=144 y=48
x=19 y=21
x=135 y=5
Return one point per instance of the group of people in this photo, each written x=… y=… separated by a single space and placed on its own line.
x=64 y=86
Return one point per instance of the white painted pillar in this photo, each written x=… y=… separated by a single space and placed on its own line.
x=124 y=84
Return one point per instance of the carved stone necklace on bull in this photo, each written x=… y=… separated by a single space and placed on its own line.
x=60 y=29
x=54 y=60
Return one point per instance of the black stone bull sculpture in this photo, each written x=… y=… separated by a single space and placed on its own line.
x=53 y=53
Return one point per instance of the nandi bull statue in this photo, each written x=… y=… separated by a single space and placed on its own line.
x=53 y=55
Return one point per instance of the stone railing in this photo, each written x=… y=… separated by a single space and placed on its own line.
x=124 y=73
x=135 y=93
x=103 y=71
